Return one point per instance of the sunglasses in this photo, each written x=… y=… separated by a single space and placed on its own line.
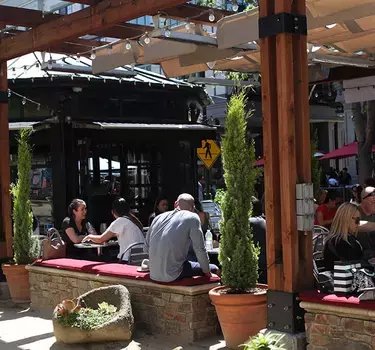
x=372 y=194
x=357 y=220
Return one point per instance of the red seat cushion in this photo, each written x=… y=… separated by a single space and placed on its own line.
x=314 y=296
x=117 y=270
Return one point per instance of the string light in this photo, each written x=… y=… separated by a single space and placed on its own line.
x=168 y=33
x=93 y=55
x=235 y=6
x=187 y=27
x=128 y=45
x=24 y=99
x=147 y=39
x=49 y=64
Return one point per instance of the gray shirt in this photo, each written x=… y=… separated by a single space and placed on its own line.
x=167 y=243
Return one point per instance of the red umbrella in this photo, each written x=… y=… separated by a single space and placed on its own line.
x=260 y=162
x=349 y=150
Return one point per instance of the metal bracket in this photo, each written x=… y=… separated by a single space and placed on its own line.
x=284 y=313
x=3 y=96
x=282 y=23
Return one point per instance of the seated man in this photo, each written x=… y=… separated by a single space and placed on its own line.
x=168 y=240
x=126 y=227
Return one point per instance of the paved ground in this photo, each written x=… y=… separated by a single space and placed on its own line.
x=21 y=328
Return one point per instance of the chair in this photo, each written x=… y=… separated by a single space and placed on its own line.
x=319 y=234
x=136 y=255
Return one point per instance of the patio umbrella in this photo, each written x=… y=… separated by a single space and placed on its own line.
x=349 y=150
x=260 y=162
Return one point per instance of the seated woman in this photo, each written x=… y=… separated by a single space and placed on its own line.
x=75 y=228
x=126 y=227
x=341 y=243
x=326 y=212
x=161 y=206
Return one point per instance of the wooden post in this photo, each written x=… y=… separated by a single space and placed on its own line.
x=6 y=210
x=286 y=137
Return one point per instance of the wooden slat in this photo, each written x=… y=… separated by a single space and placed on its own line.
x=287 y=149
x=271 y=155
x=303 y=149
x=98 y=17
x=4 y=165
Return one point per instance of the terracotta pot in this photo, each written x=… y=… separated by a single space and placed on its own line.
x=18 y=282
x=240 y=315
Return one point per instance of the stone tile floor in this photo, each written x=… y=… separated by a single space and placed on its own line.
x=22 y=328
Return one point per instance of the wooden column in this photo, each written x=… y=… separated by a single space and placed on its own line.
x=6 y=209
x=286 y=135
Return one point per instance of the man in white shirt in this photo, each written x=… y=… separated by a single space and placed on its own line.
x=126 y=227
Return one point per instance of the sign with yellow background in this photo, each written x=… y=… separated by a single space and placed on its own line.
x=208 y=153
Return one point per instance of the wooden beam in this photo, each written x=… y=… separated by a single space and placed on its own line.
x=271 y=155
x=303 y=146
x=98 y=17
x=18 y=16
x=6 y=211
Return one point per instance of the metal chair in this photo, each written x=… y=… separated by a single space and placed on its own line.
x=136 y=255
x=319 y=235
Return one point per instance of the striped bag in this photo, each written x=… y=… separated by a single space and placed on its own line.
x=343 y=274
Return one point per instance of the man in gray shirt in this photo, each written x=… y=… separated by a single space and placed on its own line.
x=168 y=240
x=366 y=235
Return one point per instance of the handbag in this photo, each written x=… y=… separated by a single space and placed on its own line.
x=53 y=247
x=343 y=275
x=362 y=279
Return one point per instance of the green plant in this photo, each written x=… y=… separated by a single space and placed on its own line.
x=25 y=244
x=70 y=314
x=238 y=254
x=265 y=342
x=219 y=196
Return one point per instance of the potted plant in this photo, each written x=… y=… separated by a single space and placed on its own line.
x=240 y=302
x=264 y=341
x=25 y=245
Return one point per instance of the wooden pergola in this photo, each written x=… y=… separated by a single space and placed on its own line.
x=283 y=61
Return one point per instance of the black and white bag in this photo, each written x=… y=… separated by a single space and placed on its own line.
x=343 y=275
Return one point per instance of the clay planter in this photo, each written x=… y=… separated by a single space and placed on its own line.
x=240 y=315
x=18 y=282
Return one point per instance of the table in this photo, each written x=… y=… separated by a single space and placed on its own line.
x=99 y=246
x=214 y=251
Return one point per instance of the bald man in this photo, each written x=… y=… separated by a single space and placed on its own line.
x=366 y=235
x=168 y=241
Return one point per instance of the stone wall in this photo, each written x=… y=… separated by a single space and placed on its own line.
x=170 y=310
x=331 y=327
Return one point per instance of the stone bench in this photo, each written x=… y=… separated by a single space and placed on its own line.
x=181 y=308
x=338 y=322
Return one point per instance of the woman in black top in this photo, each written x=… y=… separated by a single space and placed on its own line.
x=161 y=206
x=341 y=243
x=75 y=228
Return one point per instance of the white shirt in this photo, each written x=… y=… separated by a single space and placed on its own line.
x=127 y=233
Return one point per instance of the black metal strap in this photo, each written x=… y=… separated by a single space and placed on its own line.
x=282 y=23
x=3 y=96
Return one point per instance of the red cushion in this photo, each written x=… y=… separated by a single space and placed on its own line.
x=118 y=270
x=314 y=296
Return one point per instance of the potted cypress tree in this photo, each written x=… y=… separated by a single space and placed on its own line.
x=240 y=302
x=25 y=245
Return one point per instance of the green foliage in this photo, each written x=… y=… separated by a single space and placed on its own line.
x=265 y=342
x=25 y=244
x=219 y=196
x=88 y=319
x=238 y=254
x=316 y=170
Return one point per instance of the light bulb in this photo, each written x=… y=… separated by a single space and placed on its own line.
x=49 y=64
x=316 y=95
x=23 y=101
x=72 y=77
x=38 y=107
x=147 y=40
x=235 y=7
x=93 y=55
x=128 y=45
x=211 y=65
x=104 y=80
x=211 y=16
x=9 y=93
x=78 y=57
x=168 y=33
x=187 y=26
x=120 y=80
x=88 y=78
x=330 y=26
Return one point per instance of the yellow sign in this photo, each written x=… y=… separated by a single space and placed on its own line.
x=208 y=153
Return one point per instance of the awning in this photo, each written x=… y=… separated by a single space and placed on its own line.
x=143 y=126
x=260 y=162
x=349 y=150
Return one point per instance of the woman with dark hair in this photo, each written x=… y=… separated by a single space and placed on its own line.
x=356 y=194
x=203 y=216
x=126 y=227
x=161 y=206
x=75 y=227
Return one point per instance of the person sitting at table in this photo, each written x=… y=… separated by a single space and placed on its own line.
x=341 y=243
x=326 y=212
x=74 y=228
x=168 y=241
x=126 y=227
x=161 y=206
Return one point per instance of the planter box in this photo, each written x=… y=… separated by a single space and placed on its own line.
x=160 y=309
